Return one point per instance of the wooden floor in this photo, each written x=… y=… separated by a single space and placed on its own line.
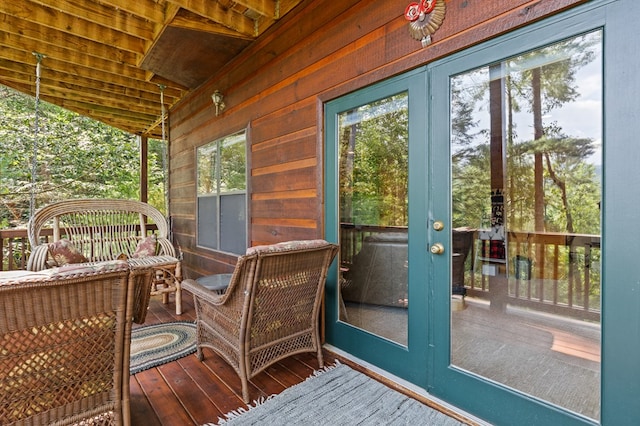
x=190 y=392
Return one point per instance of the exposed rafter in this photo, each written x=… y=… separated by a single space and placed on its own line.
x=104 y=58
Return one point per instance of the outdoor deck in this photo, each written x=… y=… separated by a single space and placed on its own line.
x=190 y=392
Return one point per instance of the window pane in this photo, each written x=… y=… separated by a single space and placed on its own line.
x=207 y=224
x=233 y=223
x=222 y=208
x=233 y=163
x=206 y=163
x=374 y=148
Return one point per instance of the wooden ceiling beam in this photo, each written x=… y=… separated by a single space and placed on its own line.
x=69 y=90
x=70 y=25
x=191 y=21
x=55 y=52
x=266 y=8
x=94 y=50
x=154 y=11
x=91 y=109
x=79 y=71
x=105 y=16
x=38 y=33
x=226 y=17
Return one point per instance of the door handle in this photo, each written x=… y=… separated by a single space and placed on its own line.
x=437 y=248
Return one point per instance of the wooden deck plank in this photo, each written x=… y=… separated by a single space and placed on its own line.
x=191 y=397
x=141 y=411
x=215 y=390
x=162 y=399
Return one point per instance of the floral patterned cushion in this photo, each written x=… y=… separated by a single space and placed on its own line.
x=146 y=247
x=63 y=252
x=287 y=246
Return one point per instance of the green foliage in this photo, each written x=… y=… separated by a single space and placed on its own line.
x=75 y=157
x=374 y=164
x=222 y=165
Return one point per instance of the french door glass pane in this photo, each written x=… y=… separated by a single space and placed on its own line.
x=373 y=146
x=526 y=150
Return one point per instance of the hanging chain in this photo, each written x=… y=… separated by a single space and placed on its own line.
x=165 y=150
x=34 y=158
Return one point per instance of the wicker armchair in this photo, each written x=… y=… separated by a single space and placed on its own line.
x=270 y=309
x=65 y=347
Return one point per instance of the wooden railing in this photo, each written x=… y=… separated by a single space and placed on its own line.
x=15 y=249
x=552 y=272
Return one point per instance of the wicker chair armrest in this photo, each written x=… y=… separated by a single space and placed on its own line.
x=200 y=291
x=166 y=248
x=242 y=276
x=141 y=280
x=38 y=259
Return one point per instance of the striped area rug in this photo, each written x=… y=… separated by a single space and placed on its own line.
x=153 y=345
x=338 y=395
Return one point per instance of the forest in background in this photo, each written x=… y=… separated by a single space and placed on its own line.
x=76 y=157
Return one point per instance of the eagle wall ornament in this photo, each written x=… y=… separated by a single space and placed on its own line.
x=425 y=18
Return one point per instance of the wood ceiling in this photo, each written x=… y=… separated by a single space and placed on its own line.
x=108 y=59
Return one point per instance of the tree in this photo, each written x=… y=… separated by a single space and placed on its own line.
x=374 y=164
x=541 y=169
x=76 y=157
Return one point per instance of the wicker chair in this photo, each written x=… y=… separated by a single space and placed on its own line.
x=270 y=309
x=103 y=230
x=65 y=346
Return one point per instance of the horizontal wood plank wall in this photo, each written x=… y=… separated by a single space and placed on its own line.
x=322 y=50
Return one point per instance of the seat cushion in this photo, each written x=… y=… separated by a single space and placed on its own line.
x=151 y=261
x=70 y=269
x=287 y=246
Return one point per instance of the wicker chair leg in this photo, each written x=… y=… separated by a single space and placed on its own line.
x=178 y=297
x=320 y=358
x=199 y=353
x=245 y=389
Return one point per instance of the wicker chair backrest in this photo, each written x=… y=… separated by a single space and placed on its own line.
x=102 y=229
x=68 y=356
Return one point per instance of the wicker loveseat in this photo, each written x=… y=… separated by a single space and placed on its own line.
x=270 y=309
x=96 y=230
x=65 y=344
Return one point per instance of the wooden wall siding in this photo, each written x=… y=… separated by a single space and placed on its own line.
x=323 y=50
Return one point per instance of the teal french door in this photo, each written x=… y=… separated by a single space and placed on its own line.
x=485 y=206
x=375 y=156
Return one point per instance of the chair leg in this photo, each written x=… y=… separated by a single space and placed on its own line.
x=178 y=297
x=199 y=353
x=320 y=358
x=245 y=389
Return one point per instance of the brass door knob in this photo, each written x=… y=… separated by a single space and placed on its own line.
x=438 y=225
x=437 y=248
